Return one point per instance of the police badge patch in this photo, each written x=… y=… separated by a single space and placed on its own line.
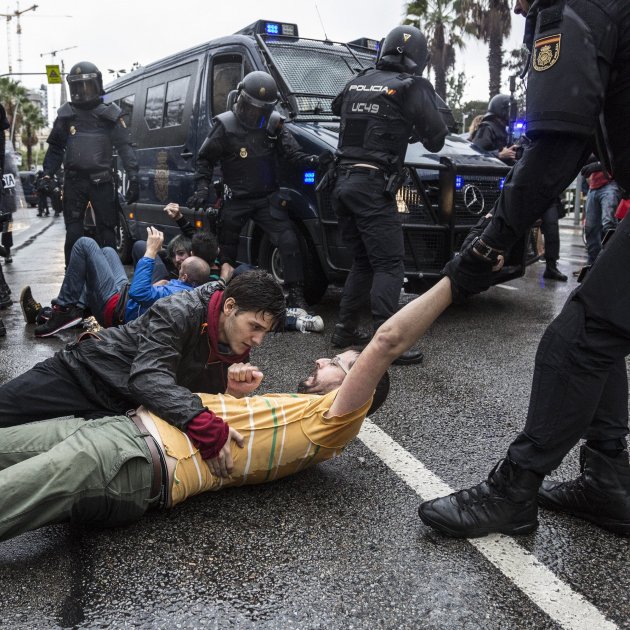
x=546 y=52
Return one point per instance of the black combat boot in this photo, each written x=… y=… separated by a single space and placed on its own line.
x=553 y=273
x=295 y=297
x=3 y=330
x=505 y=503
x=5 y=292
x=411 y=357
x=344 y=336
x=601 y=494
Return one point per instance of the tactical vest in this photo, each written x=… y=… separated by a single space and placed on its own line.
x=374 y=127
x=89 y=145
x=249 y=164
x=572 y=47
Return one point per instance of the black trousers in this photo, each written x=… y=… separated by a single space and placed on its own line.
x=78 y=190
x=47 y=390
x=551 y=231
x=274 y=221
x=370 y=226
x=580 y=385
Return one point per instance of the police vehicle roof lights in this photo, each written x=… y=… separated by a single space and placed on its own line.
x=270 y=27
x=366 y=42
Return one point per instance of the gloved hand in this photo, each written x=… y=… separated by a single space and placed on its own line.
x=470 y=272
x=133 y=191
x=324 y=160
x=200 y=198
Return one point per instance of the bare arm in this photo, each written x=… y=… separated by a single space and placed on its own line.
x=395 y=336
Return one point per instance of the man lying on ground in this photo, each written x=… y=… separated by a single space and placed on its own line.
x=60 y=470
x=183 y=343
x=97 y=278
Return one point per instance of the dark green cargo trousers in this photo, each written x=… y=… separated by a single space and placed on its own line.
x=97 y=472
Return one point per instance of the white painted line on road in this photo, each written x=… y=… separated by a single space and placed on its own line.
x=566 y=607
x=507 y=287
x=580 y=261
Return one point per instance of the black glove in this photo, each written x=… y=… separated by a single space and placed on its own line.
x=470 y=272
x=133 y=191
x=200 y=199
x=46 y=185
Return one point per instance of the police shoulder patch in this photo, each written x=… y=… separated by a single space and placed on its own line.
x=546 y=52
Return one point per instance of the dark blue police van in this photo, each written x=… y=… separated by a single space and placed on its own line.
x=169 y=106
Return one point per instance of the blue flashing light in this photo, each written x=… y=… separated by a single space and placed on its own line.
x=272 y=29
x=459 y=182
x=309 y=177
x=501 y=182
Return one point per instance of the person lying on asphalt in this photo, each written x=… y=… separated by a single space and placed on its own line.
x=111 y=471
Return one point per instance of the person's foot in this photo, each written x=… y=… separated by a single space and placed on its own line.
x=8 y=260
x=309 y=323
x=342 y=337
x=30 y=308
x=553 y=273
x=61 y=318
x=5 y=297
x=505 y=503
x=39 y=214
x=3 y=330
x=600 y=494
x=411 y=357
x=295 y=297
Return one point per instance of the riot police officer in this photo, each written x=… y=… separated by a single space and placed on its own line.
x=579 y=68
x=83 y=137
x=492 y=136
x=5 y=291
x=246 y=141
x=381 y=109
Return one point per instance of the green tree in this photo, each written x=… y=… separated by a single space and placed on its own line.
x=32 y=122
x=490 y=21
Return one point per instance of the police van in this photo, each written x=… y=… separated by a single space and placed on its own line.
x=169 y=106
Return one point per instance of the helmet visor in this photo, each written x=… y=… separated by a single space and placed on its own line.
x=84 y=88
x=252 y=112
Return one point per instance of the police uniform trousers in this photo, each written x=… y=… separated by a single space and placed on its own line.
x=371 y=228
x=272 y=220
x=78 y=190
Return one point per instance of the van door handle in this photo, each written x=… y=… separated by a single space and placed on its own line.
x=186 y=155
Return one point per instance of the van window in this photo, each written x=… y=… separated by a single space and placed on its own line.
x=126 y=104
x=154 y=106
x=227 y=73
x=175 y=101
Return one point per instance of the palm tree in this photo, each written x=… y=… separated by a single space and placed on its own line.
x=32 y=122
x=13 y=95
x=441 y=22
x=491 y=21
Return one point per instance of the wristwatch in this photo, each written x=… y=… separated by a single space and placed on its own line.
x=485 y=251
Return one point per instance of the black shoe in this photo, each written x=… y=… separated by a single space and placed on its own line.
x=295 y=297
x=8 y=260
x=505 y=503
x=553 y=273
x=30 y=308
x=342 y=337
x=412 y=356
x=39 y=214
x=601 y=494
x=62 y=318
x=3 y=330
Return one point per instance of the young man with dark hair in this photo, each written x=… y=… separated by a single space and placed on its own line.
x=183 y=343
x=59 y=470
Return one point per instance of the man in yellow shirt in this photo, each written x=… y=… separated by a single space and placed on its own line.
x=110 y=471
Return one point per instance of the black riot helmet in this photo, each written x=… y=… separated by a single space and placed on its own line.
x=499 y=105
x=257 y=98
x=405 y=47
x=86 y=84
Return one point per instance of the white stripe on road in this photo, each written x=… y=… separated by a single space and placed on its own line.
x=507 y=287
x=566 y=607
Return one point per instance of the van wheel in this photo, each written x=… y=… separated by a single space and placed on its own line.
x=124 y=242
x=315 y=281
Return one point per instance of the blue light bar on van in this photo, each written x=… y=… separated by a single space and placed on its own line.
x=309 y=177
x=459 y=182
x=365 y=42
x=272 y=29
x=269 y=27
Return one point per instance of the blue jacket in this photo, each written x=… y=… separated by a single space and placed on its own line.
x=142 y=294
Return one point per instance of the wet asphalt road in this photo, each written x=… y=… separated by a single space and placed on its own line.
x=339 y=545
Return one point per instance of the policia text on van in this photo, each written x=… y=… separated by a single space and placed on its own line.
x=169 y=106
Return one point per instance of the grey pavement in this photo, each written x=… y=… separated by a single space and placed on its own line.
x=340 y=545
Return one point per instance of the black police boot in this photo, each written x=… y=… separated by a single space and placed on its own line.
x=553 y=273
x=411 y=357
x=343 y=337
x=295 y=297
x=601 y=494
x=5 y=292
x=505 y=503
x=3 y=330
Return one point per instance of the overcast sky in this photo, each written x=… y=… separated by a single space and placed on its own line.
x=116 y=33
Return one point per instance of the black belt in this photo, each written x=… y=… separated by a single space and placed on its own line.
x=348 y=169
x=159 y=484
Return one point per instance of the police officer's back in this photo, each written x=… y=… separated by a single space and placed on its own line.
x=83 y=137
x=381 y=110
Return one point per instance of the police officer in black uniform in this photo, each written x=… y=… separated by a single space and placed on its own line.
x=5 y=291
x=83 y=137
x=381 y=110
x=579 y=68
x=492 y=136
x=247 y=140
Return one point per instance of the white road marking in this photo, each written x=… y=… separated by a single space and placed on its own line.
x=580 y=261
x=507 y=287
x=557 y=599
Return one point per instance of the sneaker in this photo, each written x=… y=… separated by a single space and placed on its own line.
x=62 y=318
x=44 y=315
x=295 y=312
x=310 y=323
x=342 y=337
x=30 y=308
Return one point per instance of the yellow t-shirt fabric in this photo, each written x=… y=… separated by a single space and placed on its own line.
x=282 y=433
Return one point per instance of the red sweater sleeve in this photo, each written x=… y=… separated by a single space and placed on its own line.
x=208 y=433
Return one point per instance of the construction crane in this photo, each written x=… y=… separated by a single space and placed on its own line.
x=9 y=16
